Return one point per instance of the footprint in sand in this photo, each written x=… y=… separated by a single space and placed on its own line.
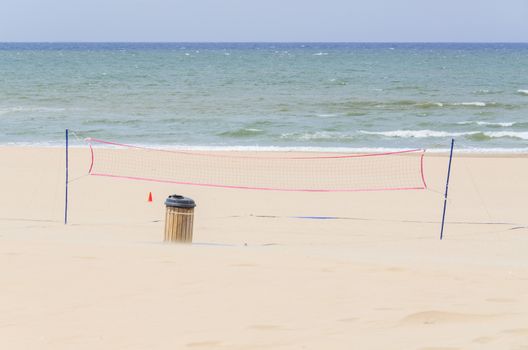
x=440 y=317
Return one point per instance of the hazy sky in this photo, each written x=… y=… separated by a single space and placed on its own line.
x=264 y=20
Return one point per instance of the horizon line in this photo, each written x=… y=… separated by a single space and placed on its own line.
x=262 y=42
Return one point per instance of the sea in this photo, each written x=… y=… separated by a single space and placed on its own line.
x=268 y=96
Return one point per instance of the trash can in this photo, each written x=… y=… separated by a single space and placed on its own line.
x=179 y=219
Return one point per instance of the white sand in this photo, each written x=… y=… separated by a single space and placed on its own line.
x=380 y=279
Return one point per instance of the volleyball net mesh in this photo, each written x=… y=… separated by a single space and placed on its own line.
x=273 y=171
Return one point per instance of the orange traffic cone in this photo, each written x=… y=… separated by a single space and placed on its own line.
x=150 y=197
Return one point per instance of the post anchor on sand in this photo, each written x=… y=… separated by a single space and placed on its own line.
x=447 y=188
x=66 y=192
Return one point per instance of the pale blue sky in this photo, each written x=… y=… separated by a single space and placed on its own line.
x=265 y=20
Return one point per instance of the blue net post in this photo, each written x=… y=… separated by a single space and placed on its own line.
x=66 y=192
x=447 y=188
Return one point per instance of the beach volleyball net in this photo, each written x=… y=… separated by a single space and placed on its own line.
x=272 y=171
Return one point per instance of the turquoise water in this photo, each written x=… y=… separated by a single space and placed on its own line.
x=352 y=96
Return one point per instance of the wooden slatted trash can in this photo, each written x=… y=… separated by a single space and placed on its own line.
x=179 y=219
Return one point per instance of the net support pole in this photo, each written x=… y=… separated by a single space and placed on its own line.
x=66 y=183
x=447 y=188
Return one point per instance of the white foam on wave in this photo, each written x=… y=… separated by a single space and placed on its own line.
x=482 y=123
x=480 y=150
x=20 y=109
x=321 y=54
x=523 y=92
x=471 y=104
x=418 y=133
x=523 y=135
x=206 y=148
x=318 y=135
x=429 y=104
x=487 y=92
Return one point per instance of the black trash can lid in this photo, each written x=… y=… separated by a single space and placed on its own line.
x=178 y=201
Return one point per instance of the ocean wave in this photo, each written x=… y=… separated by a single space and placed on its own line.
x=522 y=92
x=430 y=104
x=475 y=135
x=343 y=150
x=417 y=133
x=355 y=113
x=487 y=92
x=473 y=104
x=20 y=109
x=239 y=133
x=523 y=135
x=338 y=81
x=482 y=123
x=416 y=104
x=111 y=121
x=398 y=104
x=405 y=87
x=318 y=135
x=480 y=104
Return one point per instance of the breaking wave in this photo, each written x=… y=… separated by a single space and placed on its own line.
x=477 y=135
x=318 y=135
x=473 y=104
x=482 y=123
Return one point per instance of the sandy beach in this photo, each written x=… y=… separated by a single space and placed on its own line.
x=257 y=276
